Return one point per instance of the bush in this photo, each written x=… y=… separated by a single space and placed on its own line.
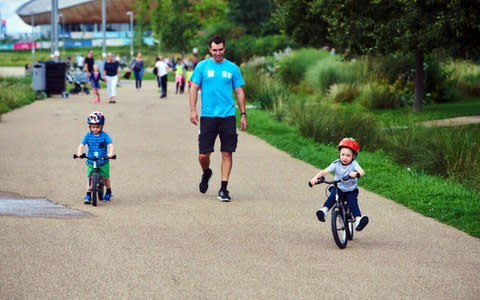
x=343 y=92
x=391 y=68
x=245 y=47
x=254 y=79
x=272 y=95
x=377 y=96
x=292 y=68
x=469 y=79
x=449 y=152
x=328 y=126
x=330 y=71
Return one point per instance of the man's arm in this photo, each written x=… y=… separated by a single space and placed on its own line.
x=193 y=103
x=241 y=104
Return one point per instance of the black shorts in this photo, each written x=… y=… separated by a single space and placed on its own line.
x=210 y=127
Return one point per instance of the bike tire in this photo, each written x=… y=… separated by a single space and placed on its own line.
x=350 y=221
x=94 y=189
x=100 y=189
x=339 y=229
x=351 y=225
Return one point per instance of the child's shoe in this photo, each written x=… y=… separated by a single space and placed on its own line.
x=87 y=199
x=361 y=223
x=322 y=214
x=107 y=197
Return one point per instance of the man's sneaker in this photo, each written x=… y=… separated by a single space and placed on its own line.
x=87 y=199
x=322 y=215
x=107 y=197
x=224 y=196
x=203 y=186
x=361 y=223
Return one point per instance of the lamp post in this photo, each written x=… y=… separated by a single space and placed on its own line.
x=54 y=29
x=104 y=28
x=130 y=13
x=61 y=15
x=33 y=39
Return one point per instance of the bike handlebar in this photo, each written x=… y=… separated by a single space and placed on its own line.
x=322 y=180
x=94 y=158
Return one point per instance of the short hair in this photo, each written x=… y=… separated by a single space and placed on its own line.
x=217 y=40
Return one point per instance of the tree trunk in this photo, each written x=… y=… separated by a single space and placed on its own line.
x=419 y=82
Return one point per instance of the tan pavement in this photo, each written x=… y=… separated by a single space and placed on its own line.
x=161 y=239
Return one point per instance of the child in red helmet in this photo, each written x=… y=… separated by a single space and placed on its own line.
x=346 y=165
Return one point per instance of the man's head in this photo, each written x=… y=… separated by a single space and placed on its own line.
x=216 y=46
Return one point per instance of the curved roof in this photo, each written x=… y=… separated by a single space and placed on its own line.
x=76 y=11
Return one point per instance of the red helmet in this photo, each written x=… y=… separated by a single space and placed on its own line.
x=349 y=143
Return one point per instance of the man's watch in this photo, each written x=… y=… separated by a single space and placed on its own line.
x=244 y=114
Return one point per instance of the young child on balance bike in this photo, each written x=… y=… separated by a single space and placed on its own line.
x=99 y=145
x=346 y=165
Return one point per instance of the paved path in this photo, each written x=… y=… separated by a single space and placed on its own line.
x=161 y=239
x=12 y=71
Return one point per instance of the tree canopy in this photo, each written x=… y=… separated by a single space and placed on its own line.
x=412 y=27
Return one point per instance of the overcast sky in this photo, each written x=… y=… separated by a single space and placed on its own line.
x=14 y=23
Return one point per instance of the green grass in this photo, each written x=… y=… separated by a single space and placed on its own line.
x=15 y=93
x=433 y=196
x=465 y=107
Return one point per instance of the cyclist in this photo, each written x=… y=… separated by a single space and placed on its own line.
x=99 y=145
x=346 y=165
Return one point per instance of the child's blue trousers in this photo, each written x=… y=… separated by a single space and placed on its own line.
x=351 y=197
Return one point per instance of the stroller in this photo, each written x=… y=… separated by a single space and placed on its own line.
x=79 y=80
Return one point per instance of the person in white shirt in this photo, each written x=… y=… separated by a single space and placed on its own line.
x=162 y=71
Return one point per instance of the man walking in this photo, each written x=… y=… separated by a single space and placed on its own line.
x=216 y=77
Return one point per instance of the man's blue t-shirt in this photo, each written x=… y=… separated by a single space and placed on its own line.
x=97 y=145
x=217 y=81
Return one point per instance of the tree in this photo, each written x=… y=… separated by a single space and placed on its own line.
x=177 y=23
x=142 y=17
x=297 y=20
x=253 y=15
x=389 y=26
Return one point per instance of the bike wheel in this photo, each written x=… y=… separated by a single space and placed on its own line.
x=100 y=189
x=339 y=228
x=351 y=225
x=350 y=222
x=95 y=178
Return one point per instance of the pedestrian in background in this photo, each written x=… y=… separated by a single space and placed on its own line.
x=110 y=72
x=137 y=66
x=180 y=76
x=95 y=77
x=162 y=74
x=88 y=62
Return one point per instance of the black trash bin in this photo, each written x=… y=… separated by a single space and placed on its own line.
x=55 y=77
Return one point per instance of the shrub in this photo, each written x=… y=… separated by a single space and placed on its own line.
x=391 y=68
x=272 y=95
x=343 y=92
x=377 y=96
x=469 y=79
x=254 y=79
x=292 y=68
x=449 y=152
x=330 y=71
x=327 y=125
